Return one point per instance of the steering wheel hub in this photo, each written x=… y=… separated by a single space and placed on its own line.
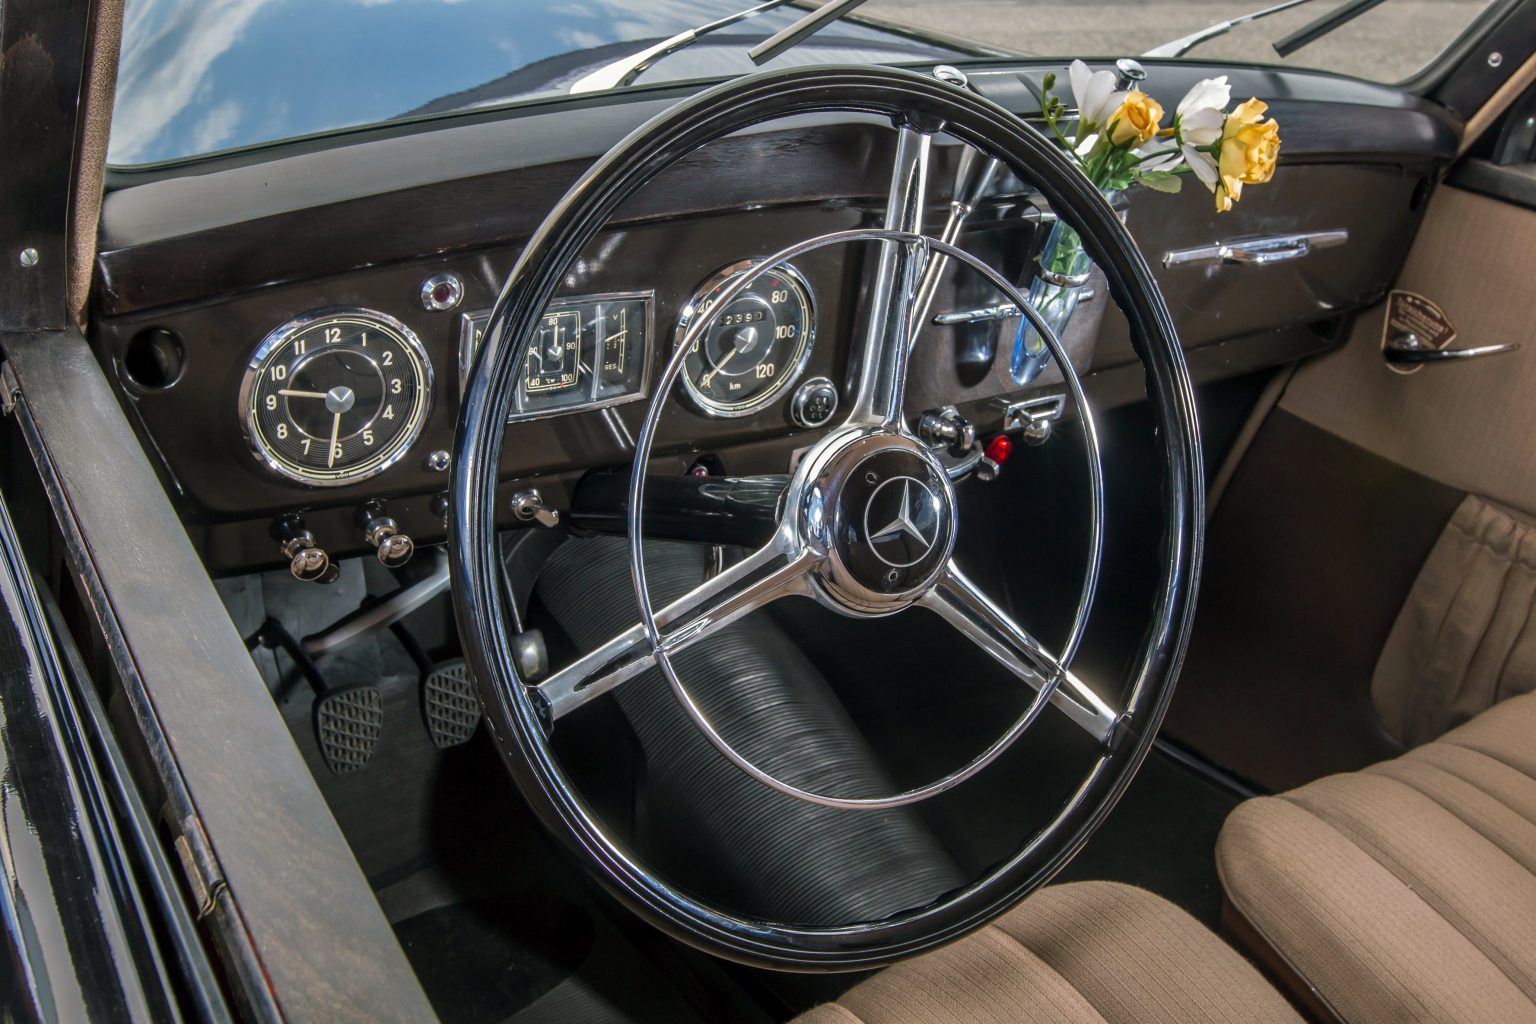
x=883 y=510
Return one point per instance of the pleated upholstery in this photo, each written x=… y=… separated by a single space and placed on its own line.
x=1407 y=891
x=1465 y=638
x=1085 y=953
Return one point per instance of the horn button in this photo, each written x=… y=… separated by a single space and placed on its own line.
x=891 y=526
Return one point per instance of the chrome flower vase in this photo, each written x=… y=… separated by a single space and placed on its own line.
x=1054 y=293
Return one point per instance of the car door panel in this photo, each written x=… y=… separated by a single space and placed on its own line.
x=1369 y=581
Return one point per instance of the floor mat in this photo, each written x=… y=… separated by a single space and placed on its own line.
x=1162 y=837
x=482 y=961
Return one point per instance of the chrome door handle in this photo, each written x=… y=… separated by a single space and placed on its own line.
x=1408 y=350
x=1257 y=252
x=1262 y=254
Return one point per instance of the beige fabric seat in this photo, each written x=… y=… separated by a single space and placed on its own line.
x=1089 y=952
x=1407 y=891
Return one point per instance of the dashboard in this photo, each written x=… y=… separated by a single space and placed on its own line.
x=291 y=334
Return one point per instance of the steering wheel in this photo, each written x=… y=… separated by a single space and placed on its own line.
x=867 y=525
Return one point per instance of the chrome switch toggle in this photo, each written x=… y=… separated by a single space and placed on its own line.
x=528 y=505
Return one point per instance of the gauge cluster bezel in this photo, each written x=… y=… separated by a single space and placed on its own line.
x=472 y=323
x=785 y=382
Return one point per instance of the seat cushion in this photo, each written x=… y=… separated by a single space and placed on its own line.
x=1407 y=891
x=1092 y=952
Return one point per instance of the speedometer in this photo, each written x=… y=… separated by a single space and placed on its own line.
x=335 y=396
x=755 y=347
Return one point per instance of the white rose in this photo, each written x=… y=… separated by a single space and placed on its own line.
x=1199 y=117
x=1208 y=94
x=1095 y=95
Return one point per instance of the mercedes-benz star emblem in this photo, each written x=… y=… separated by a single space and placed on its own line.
x=910 y=514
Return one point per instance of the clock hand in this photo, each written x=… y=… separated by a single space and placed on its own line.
x=335 y=433
x=287 y=393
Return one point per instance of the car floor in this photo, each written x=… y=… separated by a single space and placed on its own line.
x=502 y=924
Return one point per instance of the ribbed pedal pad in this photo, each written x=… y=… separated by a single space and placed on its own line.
x=348 y=724
x=449 y=705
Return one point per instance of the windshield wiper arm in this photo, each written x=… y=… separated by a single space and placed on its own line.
x=626 y=69
x=1179 y=47
x=1313 y=31
x=814 y=22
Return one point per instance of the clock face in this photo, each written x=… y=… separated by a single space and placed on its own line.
x=337 y=396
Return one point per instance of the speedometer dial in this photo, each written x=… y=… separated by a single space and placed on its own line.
x=335 y=396
x=754 y=347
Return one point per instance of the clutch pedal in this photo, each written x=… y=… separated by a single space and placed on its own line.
x=348 y=724
x=449 y=705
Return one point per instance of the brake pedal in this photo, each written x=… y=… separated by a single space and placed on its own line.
x=449 y=705
x=348 y=724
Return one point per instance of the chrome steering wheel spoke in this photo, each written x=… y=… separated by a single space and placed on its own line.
x=891 y=327
x=775 y=570
x=957 y=599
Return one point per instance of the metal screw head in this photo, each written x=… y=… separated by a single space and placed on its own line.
x=29 y=257
x=438 y=461
x=1495 y=59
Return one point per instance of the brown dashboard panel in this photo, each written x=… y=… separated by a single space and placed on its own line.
x=183 y=276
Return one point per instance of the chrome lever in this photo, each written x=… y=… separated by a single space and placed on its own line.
x=1408 y=350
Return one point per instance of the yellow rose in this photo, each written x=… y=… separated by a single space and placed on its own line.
x=1248 y=151
x=1136 y=122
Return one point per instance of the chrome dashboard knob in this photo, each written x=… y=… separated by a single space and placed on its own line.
x=392 y=547
x=307 y=561
x=945 y=428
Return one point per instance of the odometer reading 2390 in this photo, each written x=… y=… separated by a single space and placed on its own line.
x=336 y=396
x=754 y=347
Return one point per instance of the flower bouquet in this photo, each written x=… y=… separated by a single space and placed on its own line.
x=1118 y=140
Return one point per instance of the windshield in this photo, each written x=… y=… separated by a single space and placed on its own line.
x=202 y=76
x=1390 y=42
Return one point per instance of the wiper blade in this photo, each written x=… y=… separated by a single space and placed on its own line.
x=1334 y=19
x=1179 y=47
x=626 y=69
x=812 y=23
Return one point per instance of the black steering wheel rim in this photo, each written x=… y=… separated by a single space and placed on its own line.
x=480 y=600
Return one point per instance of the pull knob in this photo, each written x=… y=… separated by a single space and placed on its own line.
x=307 y=562
x=392 y=547
x=528 y=505
x=946 y=429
